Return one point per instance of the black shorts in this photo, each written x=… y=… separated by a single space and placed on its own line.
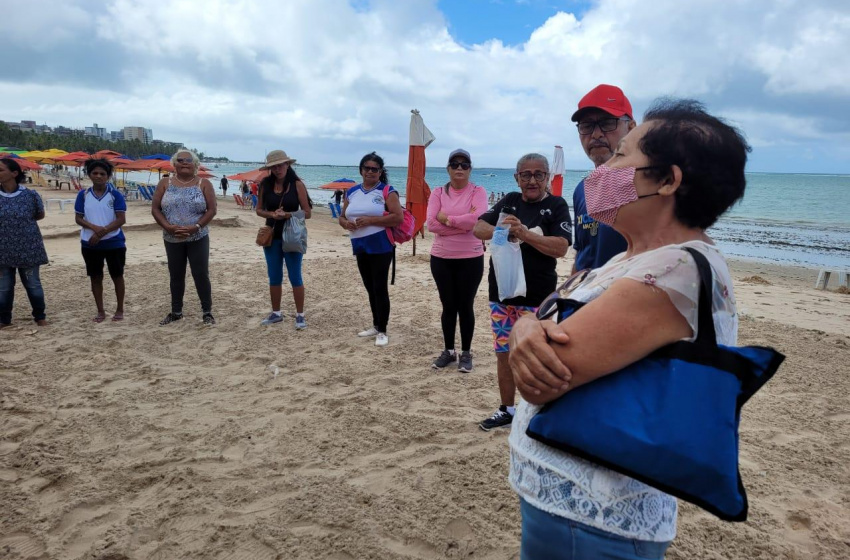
x=114 y=261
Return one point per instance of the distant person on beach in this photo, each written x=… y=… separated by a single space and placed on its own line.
x=603 y=118
x=542 y=223
x=492 y=200
x=100 y=212
x=246 y=192
x=367 y=212
x=457 y=256
x=282 y=196
x=669 y=180
x=338 y=194
x=22 y=250
x=224 y=186
x=184 y=205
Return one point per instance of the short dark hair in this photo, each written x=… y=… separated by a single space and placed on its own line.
x=372 y=156
x=15 y=168
x=92 y=164
x=711 y=154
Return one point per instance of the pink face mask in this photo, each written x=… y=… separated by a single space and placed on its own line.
x=608 y=189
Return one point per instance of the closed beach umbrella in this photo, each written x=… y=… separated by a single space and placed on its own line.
x=339 y=185
x=418 y=191
x=557 y=184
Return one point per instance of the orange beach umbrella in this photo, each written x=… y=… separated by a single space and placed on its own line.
x=418 y=191
x=255 y=176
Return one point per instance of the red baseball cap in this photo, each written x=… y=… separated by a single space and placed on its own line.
x=610 y=99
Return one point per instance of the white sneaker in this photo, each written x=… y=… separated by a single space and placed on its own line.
x=368 y=332
x=382 y=339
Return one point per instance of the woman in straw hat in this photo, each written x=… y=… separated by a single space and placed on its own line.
x=184 y=205
x=283 y=196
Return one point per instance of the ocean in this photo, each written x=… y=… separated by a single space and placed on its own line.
x=790 y=219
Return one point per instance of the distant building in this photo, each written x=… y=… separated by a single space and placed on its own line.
x=97 y=131
x=138 y=133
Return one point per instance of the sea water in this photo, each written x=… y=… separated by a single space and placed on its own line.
x=798 y=219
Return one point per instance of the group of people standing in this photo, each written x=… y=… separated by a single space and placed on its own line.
x=655 y=189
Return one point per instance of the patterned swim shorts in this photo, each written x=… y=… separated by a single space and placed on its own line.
x=502 y=319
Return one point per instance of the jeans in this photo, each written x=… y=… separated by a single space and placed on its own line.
x=457 y=282
x=549 y=537
x=32 y=284
x=274 y=264
x=198 y=254
x=374 y=270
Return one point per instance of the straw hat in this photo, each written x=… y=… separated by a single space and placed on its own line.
x=276 y=157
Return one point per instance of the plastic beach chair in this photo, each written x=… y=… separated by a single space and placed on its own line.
x=239 y=201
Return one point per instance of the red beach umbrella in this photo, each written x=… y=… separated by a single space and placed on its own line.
x=255 y=176
x=339 y=185
x=418 y=191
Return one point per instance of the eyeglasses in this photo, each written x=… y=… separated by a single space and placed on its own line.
x=184 y=160
x=605 y=125
x=462 y=164
x=550 y=304
x=370 y=169
x=538 y=176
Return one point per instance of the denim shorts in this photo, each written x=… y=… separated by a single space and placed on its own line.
x=550 y=537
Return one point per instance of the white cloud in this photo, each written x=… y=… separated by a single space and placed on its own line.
x=336 y=79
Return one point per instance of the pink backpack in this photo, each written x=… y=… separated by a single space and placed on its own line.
x=403 y=232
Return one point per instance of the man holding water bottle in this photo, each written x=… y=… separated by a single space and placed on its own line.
x=541 y=224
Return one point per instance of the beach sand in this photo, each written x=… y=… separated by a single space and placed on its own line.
x=134 y=441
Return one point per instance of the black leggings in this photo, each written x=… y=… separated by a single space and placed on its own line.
x=374 y=270
x=198 y=255
x=457 y=282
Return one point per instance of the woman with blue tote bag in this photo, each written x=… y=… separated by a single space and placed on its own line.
x=669 y=180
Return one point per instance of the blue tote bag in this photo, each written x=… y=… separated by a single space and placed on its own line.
x=671 y=419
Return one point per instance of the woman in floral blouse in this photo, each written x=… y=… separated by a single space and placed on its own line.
x=669 y=180
x=22 y=248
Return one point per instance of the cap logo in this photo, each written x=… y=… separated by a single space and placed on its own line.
x=609 y=99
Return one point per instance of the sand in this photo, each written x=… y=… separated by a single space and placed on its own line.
x=134 y=441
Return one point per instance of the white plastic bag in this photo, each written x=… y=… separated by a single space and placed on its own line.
x=507 y=263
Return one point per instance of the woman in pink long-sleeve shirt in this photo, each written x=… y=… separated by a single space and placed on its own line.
x=457 y=256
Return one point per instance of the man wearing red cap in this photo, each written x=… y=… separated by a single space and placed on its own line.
x=603 y=118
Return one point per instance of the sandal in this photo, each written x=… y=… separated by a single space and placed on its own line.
x=170 y=318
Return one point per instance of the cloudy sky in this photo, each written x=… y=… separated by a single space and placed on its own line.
x=329 y=80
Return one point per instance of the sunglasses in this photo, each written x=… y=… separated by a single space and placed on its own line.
x=550 y=304
x=184 y=160
x=461 y=164
x=370 y=169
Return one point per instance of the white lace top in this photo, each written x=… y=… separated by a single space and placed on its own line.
x=567 y=486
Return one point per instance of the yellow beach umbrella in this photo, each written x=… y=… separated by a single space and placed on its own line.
x=44 y=156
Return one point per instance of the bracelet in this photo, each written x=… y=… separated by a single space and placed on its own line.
x=198 y=226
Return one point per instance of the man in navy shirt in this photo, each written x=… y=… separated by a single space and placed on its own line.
x=603 y=118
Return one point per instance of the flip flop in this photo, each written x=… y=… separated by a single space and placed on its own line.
x=118 y=317
x=99 y=318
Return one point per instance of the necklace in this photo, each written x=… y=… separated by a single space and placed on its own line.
x=183 y=183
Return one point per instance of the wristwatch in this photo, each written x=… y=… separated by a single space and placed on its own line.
x=198 y=226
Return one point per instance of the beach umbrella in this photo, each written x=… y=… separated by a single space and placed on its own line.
x=107 y=154
x=418 y=191
x=339 y=185
x=557 y=178
x=254 y=176
x=156 y=156
x=205 y=175
x=75 y=159
x=44 y=156
x=26 y=165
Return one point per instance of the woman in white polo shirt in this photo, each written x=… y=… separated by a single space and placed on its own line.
x=370 y=208
x=100 y=212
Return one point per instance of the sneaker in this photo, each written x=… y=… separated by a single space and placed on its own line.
x=209 y=320
x=382 y=339
x=170 y=318
x=300 y=323
x=465 y=363
x=500 y=418
x=272 y=319
x=368 y=332
x=444 y=359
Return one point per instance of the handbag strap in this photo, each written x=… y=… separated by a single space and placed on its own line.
x=706 y=334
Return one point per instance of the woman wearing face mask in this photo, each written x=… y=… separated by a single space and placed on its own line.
x=184 y=205
x=22 y=250
x=457 y=256
x=100 y=212
x=669 y=179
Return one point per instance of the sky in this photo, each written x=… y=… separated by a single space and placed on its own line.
x=331 y=80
